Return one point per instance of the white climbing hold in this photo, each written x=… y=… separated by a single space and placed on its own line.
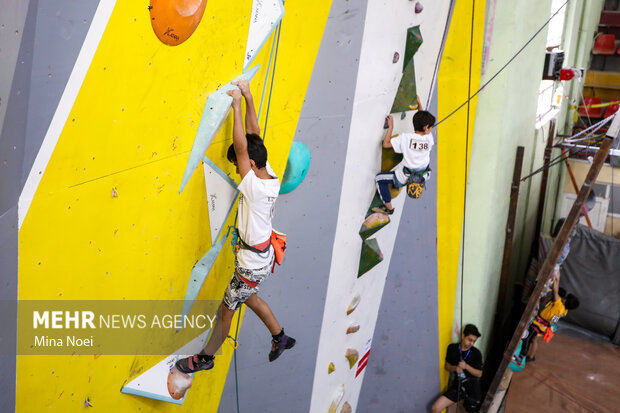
x=354 y=303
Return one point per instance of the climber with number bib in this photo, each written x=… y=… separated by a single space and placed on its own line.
x=259 y=245
x=413 y=171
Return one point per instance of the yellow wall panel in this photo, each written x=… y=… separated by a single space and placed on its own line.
x=452 y=85
x=130 y=130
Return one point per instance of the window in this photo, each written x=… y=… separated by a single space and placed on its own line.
x=548 y=88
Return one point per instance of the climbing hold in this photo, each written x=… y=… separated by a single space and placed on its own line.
x=395 y=58
x=418 y=7
x=353 y=328
x=114 y=192
x=352 y=355
x=346 y=408
x=163 y=381
x=354 y=303
x=216 y=110
x=266 y=16
x=296 y=167
x=373 y=223
x=331 y=368
x=403 y=116
x=407 y=87
x=178 y=383
x=370 y=256
x=336 y=399
x=174 y=21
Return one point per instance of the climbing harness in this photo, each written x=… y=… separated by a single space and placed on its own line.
x=415 y=181
x=277 y=241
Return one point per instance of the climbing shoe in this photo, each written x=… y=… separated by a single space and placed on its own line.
x=383 y=210
x=194 y=363
x=278 y=345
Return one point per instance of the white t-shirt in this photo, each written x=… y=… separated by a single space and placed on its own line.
x=416 y=150
x=256 y=208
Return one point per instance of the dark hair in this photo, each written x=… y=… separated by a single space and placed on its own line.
x=256 y=151
x=572 y=302
x=422 y=119
x=471 y=330
x=558 y=227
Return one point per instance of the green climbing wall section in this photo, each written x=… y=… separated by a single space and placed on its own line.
x=406 y=95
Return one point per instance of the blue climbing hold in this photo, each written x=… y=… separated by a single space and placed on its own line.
x=296 y=167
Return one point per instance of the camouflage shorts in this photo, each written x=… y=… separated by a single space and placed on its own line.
x=238 y=291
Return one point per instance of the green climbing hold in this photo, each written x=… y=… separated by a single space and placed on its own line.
x=370 y=256
x=406 y=95
x=373 y=223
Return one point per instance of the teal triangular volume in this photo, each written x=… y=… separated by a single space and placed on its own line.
x=152 y=383
x=370 y=256
x=199 y=274
x=215 y=112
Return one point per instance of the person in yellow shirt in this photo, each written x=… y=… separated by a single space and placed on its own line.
x=551 y=313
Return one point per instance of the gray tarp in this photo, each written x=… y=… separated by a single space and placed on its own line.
x=592 y=273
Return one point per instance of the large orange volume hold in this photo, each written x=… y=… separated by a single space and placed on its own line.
x=174 y=21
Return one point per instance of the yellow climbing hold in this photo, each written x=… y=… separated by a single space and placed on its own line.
x=331 y=368
x=352 y=355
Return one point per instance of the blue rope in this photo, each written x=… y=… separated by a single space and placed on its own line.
x=260 y=109
x=273 y=73
x=235 y=357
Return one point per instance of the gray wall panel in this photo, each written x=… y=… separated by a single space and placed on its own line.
x=11 y=157
x=402 y=374
x=8 y=307
x=14 y=125
x=62 y=26
x=296 y=292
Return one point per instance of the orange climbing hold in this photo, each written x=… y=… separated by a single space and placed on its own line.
x=174 y=21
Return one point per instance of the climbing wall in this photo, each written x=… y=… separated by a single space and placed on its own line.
x=385 y=33
x=126 y=194
x=110 y=116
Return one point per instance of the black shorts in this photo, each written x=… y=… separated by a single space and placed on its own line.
x=469 y=392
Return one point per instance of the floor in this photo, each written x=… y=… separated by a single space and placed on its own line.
x=569 y=375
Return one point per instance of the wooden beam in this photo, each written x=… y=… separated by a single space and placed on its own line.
x=545 y=272
x=510 y=225
x=574 y=182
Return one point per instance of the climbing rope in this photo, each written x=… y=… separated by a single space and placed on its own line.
x=592 y=128
x=505 y=65
x=443 y=43
x=235 y=358
x=273 y=73
x=560 y=158
x=471 y=47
